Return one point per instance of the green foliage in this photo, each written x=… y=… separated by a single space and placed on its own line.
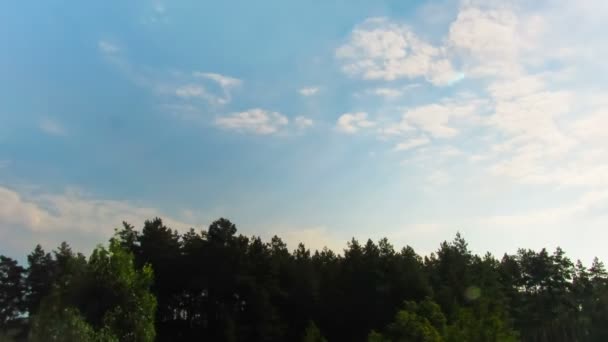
x=11 y=291
x=485 y=327
x=12 y=298
x=422 y=322
x=104 y=299
x=218 y=285
x=65 y=324
x=40 y=277
x=313 y=334
x=131 y=306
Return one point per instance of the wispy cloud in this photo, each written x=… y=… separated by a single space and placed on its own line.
x=589 y=204
x=195 y=91
x=51 y=127
x=389 y=93
x=303 y=122
x=185 y=94
x=50 y=218
x=107 y=47
x=155 y=14
x=226 y=82
x=257 y=121
x=159 y=7
x=191 y=90
x=309 y=91
x=412 y=143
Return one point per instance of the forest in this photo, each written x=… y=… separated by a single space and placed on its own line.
x=154 y=283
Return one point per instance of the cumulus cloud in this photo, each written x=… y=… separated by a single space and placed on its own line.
x=494 y=41
x=257 y=121
x=516 y=87
x=353 y=122
x=529 y=114
x=380 y=49
x=433 y=119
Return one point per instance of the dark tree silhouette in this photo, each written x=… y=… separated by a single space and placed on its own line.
x=218 y=285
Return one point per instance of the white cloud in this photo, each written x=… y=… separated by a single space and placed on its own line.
x=190 y=90
x=388 y=92
x=450 y=151
x=224 y=81
x=353 y=122
x=494 y=41
x=179 y=89
x=438 y=178
x=412 y=143
x=309 y=91
x=82 y=220
x=303 y=122
x=592 y=128
x=393 y=129
x=589 y=204
x=434 y=118
x=379 y=49
x=107 y=47
x=536 y=148
x=195 y=91
x=437 y=119
x=513 y=88
x=540 y=119
x=255 y=120
x=533 y=115
x=51 y=127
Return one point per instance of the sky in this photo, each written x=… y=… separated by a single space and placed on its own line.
x=315 y=120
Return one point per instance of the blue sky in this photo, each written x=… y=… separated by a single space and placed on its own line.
x=314 y=120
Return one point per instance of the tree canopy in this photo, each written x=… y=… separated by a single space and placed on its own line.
x=218 y=285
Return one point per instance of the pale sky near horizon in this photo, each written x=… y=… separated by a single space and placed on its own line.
x=314 y=120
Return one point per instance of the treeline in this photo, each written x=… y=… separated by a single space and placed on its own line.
x=217 y=285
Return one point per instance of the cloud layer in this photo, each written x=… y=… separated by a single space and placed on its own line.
x=255 y=120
